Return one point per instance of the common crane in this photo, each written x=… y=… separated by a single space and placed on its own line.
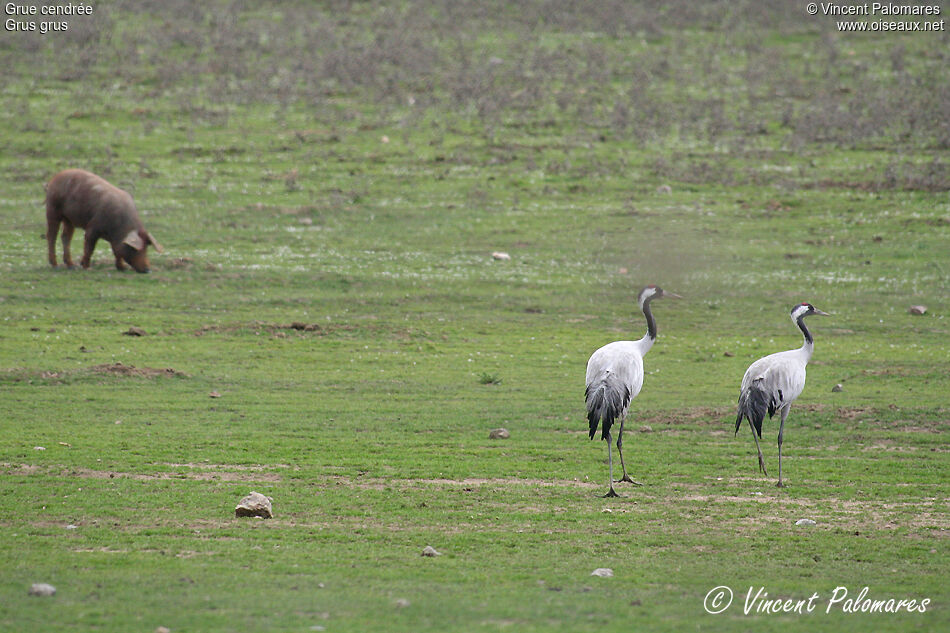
x=773 y=383
x=614 y=378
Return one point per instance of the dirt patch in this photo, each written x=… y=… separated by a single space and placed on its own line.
x=118 y=369
x=89 y=473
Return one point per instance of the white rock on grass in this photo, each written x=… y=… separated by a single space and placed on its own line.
x=255 y=505
x=501 y=255
x=499 y=434
x=918 y=310
x=603 y=572
x=805 y=522
x=42 y=589
x=430 y=551
x=838 y=388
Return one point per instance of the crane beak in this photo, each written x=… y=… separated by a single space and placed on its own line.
x=671 y=295
x=819 y=312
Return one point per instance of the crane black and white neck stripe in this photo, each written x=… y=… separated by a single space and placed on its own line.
x=614 y=378
x=772 y=383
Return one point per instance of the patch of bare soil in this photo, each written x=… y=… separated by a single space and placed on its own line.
x=118 y=369
x=88 y=473
x=380 y=483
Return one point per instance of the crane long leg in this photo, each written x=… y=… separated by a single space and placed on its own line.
x=625 y=477
x=610 y=471
x=761 y=461
x=781 y=431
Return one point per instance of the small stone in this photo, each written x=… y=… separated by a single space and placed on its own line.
x=501 y=255
x=499 y=434
x=72 y=527
x=163 y=629
x=402 y=603
x=664 y=189
x=255 y=505
x=603 y=572
x=430 y=551
x=214 y=394
x=918 y=310
x=134 y=331
x=42 y=589
x=837 y=388
x=646 y=428
x=805 y=522
x=728 y=354
x=39 y=448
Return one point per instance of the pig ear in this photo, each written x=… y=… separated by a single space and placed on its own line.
x=134 y=240
x=153 y=242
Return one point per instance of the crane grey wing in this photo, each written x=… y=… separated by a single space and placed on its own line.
x=614 y=378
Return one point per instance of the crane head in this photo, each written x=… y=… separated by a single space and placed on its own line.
x=654 y=292
x=803 y=310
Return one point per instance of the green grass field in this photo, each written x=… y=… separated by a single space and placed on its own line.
x=352 y=167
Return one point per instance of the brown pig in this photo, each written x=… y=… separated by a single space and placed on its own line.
x=78 y=198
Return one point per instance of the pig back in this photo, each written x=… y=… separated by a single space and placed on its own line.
x=87 y=200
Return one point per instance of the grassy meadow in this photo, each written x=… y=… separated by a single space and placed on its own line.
x=327 y=325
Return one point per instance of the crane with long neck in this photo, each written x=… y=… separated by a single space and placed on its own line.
x=772 y=383
x=614 y=378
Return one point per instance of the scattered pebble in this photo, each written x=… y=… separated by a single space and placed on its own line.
x=42 y=589
x=499 y=434
x=728 y=354
x=430 y=551
x=163 y=629
x=134 y=331
x=805 y=522
x=214 y=394
x=39 y=448
x=501 y=255
x=603 y=572
x=255 y=505
x=837 y=388
x=384 y=139
x=664 y=189
x=918 y=310
x=72 y=526
x=646 y=428
x=402 y=603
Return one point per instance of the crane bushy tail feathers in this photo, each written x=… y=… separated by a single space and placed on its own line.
x=606 y=402
x=754 y=403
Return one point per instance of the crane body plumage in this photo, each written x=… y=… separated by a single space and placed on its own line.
x=614 y=378
x=773 y=383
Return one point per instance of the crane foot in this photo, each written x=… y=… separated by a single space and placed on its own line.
x=780 y=484
x=627 y=479
x=611 y=493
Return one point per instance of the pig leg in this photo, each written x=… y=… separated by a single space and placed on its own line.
x=88 y=246
x=119 y=263
x=52 y=228
x=68 y=228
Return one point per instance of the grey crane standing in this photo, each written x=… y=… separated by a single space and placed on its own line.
x=614 y=378
x=772 y=383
